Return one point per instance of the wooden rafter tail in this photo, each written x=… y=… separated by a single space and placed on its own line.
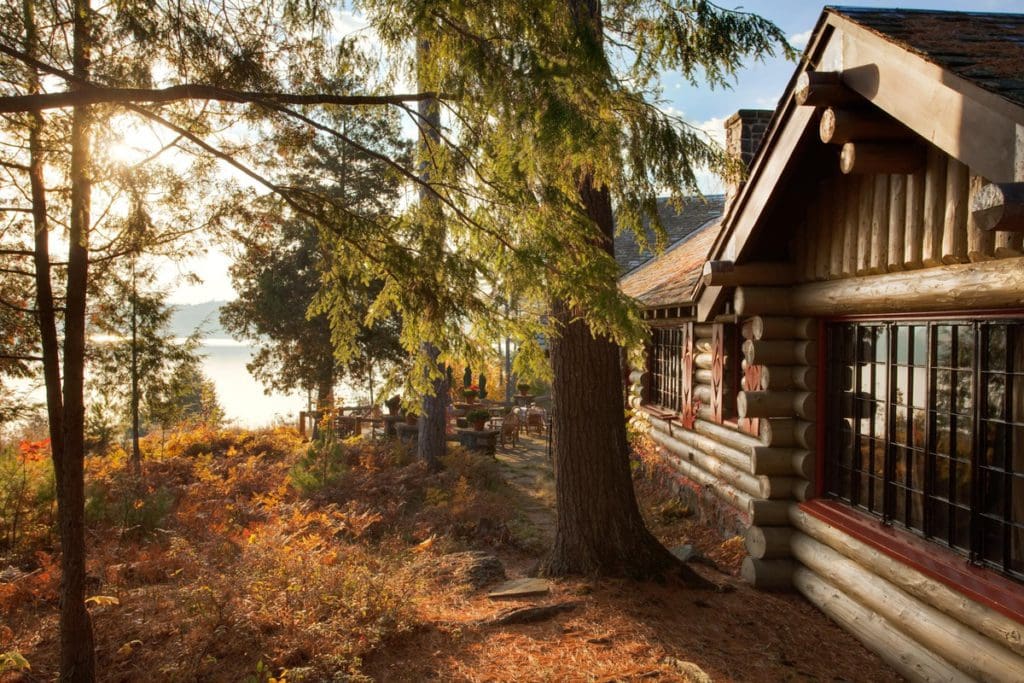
x=824 y=89
x=999 y=207
x=839 y=126
x=863 y=158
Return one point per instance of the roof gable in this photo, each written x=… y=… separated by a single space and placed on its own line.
x=969 y=120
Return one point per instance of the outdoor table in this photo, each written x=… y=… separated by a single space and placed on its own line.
x=407 y=432
x=478 y=440
x=389 y=424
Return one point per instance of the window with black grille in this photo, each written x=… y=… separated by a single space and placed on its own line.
x=926 y=430
x=666 y=368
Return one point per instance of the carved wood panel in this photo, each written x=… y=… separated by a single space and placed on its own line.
x=718 y=360
x=687 y=409
x=752 y=381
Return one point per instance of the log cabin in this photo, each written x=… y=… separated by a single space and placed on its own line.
x=839 y=362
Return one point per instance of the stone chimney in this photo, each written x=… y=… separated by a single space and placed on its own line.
x=743 y=133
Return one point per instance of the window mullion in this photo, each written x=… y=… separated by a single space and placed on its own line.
x=889 y=465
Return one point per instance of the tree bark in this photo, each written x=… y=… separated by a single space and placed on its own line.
x=136 y=460
x=77 y=655
x=599 y=528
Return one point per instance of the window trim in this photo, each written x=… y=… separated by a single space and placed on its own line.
x=958 y=571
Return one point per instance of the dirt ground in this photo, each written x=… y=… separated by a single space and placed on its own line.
x=623 y=631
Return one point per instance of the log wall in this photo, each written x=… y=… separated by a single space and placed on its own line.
x=855 y=225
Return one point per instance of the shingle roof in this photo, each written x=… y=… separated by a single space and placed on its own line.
x=982 y=47
x=696 y=212
x=669 y=279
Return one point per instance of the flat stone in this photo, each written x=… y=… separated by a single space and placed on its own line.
x=520 y=588
x=685 y=553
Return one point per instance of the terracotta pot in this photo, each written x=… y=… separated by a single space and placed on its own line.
x=480 y=425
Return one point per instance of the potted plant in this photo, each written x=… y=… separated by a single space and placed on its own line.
x=470 y=393
x=478 y=418
x=524 y=388
x=393 y=404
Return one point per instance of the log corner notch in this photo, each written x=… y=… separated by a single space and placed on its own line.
x=730 y=274
x=824 y=89
x=999 y=206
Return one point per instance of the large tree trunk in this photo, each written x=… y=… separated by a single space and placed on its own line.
x=136 y=459
x=599 y=528
x=77 y=658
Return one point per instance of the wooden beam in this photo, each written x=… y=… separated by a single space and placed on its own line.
x=999 y=206
x=868 y=158
x=728 y=274
x=981 y=243
x=824 y=89
x=959 y=287
x=839 y=126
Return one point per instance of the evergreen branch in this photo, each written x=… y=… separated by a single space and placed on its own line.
x=91 y=93
x=6 y=356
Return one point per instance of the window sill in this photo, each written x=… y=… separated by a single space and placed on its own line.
x=979 y=584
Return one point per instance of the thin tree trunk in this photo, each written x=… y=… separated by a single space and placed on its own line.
x=430 y=442
x=77 y=656
x=136 y=460
x=44 y=288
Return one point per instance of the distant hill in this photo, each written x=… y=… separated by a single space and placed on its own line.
x=206 y=315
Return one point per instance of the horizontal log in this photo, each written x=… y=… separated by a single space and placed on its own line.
x=768 y=542
x=960 y=645
x=778 y=487
x=913 y=661
x=780 y=352
x=999 y=206
x=703 y=361
x=703 y=376
x=868 y=158
x=787 y=432
x=963 y=286
x=712 y=457
x=636 y=376
x=740 y=501
x=744 y=443
x=768 y=512
x=703 y=330
x=776 y=404
x=782 y=461
x=729 y=274
x=994 y=625
x=769 y=575
x=764 y=327
x=749 y=301
x=839 y=126
x=824 y=89
x=789 y=377
x=803 y=489
x=703 y=393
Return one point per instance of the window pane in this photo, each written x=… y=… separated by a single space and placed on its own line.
x=943 y=345
x=903 y=345
x=965 y=346
x=920 y=336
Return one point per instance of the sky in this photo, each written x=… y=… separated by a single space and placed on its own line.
x=758 y=86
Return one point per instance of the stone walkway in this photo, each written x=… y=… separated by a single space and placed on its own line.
x=528 y=471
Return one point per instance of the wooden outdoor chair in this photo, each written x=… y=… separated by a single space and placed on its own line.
x=535 y=420
x=509 y=429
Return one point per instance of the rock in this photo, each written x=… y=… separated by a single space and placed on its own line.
x=473 y=568
x=10 y=575
x=690 y=671
x=520 y=588
x=685 y=553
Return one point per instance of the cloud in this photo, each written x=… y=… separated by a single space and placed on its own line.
x=799 y=40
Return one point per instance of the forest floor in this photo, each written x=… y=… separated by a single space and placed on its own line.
x=244 y=557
